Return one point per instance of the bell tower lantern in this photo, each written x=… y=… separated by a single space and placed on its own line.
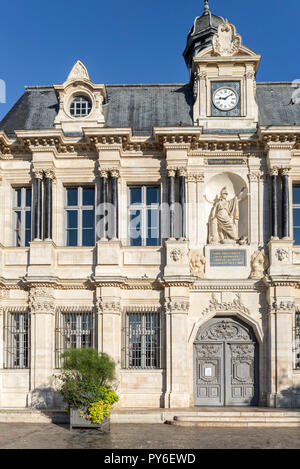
x=222 y=74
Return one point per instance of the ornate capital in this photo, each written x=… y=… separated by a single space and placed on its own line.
x=171 y=171
x=103 y=173
x=38 y=173
x=109 y=306
x=182 y=172
x=49 y=173
x=114 y=172
x=177 y=306
x=274 y=171
x=285 y=171
x=41 y=300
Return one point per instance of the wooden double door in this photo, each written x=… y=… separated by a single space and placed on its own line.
x=226 y=364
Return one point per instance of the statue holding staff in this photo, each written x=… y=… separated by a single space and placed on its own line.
x=224 y=218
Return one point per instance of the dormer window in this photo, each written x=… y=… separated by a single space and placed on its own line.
x=80 y=106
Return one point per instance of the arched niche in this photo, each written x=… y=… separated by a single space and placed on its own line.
x=234 y=184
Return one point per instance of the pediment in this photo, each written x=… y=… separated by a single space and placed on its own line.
x=243 y=52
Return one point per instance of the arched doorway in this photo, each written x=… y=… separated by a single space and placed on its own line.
x=226 y=364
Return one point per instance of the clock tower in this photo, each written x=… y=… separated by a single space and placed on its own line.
x=222 y=73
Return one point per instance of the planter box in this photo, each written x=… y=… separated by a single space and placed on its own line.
x=77 y=421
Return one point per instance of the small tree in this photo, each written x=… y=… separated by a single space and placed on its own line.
x=86 y=380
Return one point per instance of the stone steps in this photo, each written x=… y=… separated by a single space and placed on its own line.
x=238 y=419
x=208 y=417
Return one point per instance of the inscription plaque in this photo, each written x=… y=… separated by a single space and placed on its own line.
x=227 y=258
x=228 y=161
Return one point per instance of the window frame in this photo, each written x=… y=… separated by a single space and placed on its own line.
x=17 y=349
x=155 y=331
x=143 y=207
x=60 y=328
x=23 y=209
x=297 y=340
x=295 y=207
x=79 y=209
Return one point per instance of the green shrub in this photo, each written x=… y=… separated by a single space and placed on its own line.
x=85 y=382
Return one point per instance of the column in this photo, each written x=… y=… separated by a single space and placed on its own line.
x=171 y=176
x=103 y=202
x=114 y=201
x=37 y=204
x=274 y=202
x=182 y=200
x=48 y=204
x=285 y=204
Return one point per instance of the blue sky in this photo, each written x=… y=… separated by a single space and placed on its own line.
x=133 y=41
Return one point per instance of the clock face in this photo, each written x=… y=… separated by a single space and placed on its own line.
x=225 y=99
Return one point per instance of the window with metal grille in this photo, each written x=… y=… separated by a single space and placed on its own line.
x=143 y=340
x=80 y=216
x=22 y=216
x=73 y=330
x=297 y=324
x=16 y=340
x=144 y=216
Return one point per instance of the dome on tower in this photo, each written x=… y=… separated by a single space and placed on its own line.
x=201 y=34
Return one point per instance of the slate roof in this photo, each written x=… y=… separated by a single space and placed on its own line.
x=142 y=107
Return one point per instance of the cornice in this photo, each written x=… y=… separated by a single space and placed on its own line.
x=231 y=285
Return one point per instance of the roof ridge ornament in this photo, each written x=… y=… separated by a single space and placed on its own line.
x=206 y=8
x=226 y=42
x=78 y=72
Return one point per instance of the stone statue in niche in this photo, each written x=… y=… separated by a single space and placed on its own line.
x=224 y=218
x=259 y=264
x=197 y=263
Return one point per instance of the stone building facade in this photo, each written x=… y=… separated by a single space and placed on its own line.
x=159 y=224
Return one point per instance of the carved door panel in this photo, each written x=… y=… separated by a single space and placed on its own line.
x=240 y=374
x=209 y=386
x=226 y=364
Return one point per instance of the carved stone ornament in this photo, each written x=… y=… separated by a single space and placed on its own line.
x=226 y=42
x=284 y=305
x=177 y=305
x=242 y=351
x=259 y=264
x=282 y=254
x=176 y=254
x=225 y=330
x=78 y=72
x=209 y=351
x=109 y=306
x=215 y=306
x=41 y=300
x=197 y=263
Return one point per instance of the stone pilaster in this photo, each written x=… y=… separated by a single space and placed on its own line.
x=42 y=312
x=109 y=324
x=177 y=380
x=280 y=330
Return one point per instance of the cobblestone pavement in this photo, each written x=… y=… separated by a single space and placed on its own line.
x=146 y=436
